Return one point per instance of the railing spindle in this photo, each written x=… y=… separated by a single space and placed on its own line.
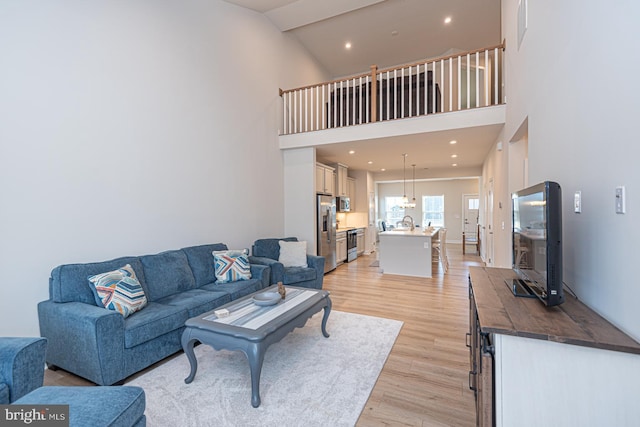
x=395 y=94
x=486 y=78
x=401 y=94
x=459 y=83
x=335 y=103
x=361 y=100
x=450 y=84
x=344 y=98
x=433 y=89
x=468 y=64
x=353 y=109
x=284 y=113
x=341 y=110
x=477 y=79
x=367 y=103
x=411 y=92
x=372 y=97
x=426 y=89
x=305 y=109
x=388 y=98
x=441 y=103
x=321 y=123
x=495 y=72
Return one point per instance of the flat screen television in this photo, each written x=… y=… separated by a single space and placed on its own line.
x=537 y=242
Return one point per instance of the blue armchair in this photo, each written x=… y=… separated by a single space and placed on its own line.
x=21 y=367
x=267 y=252
x=22 y=375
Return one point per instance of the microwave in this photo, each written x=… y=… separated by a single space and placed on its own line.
x=343 y=204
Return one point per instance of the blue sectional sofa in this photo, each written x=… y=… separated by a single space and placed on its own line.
x=102 y=345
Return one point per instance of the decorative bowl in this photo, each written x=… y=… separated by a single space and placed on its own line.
x=267 y=298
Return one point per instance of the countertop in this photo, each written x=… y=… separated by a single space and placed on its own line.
x=348 y=228
x=572 y=322
x=417 y=232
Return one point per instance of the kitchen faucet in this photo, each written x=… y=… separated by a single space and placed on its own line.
x=404 y=222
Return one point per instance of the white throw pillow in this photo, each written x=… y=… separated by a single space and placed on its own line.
x=293 y=254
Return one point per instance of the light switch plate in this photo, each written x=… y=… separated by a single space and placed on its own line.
x=620 y=200
x=577 y=202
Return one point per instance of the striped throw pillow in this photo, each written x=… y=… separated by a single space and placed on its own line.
x=232 y=265
x=119 y=290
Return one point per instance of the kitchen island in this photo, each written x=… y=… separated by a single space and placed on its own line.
x=406 y=252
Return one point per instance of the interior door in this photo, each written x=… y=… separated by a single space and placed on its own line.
x=488 y=231
x=471 y=204
x=372 y=231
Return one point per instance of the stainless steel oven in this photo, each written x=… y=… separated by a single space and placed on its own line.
x=352 y=245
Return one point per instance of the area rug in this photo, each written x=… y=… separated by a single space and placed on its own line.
x=307 y=380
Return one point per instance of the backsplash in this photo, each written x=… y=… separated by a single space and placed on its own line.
x=351 y=219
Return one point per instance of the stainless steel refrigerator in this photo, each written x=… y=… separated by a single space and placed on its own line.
x=326 y=218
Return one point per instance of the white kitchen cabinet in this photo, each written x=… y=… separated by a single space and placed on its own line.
x=341 y=247
x=360 y=240
x=324 y=179
x=352 y=193
x=342 y=184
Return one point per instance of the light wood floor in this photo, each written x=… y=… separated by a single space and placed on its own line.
x=425 y=379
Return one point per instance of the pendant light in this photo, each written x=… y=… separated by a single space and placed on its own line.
x=413 y=201
x=412 y=204
x=405 y=200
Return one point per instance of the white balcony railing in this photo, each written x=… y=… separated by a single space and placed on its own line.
x=451 y=83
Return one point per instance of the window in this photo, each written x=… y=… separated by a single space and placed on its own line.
x=474 y=204
x=394 y=210
x=433 y=210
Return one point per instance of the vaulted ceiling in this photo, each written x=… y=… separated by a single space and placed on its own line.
x=387 y=33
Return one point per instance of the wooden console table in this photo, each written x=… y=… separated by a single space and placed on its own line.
x=533 y=365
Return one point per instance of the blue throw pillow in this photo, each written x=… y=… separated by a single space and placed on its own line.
x=119 y=290
x=232 y=265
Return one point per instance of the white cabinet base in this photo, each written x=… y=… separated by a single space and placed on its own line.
x=545 y=383
x=405 y=255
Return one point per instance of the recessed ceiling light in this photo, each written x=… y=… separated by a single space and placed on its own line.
x=370 y=162
x=383 y=169
x=351 y=152
x=447 y=20
x=453 y=141
x=347 y=45
x=454 y=165
x=453 y=156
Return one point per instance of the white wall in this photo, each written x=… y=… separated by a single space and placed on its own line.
x=300 y=204
x=496 y=223
x=582 y=133
x=453 y=190
x=134 y=127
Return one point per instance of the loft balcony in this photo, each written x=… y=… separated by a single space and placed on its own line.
x=456 y=91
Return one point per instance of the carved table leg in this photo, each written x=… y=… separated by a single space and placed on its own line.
x=255 y=354
x=187 y=346
x=327 y=310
